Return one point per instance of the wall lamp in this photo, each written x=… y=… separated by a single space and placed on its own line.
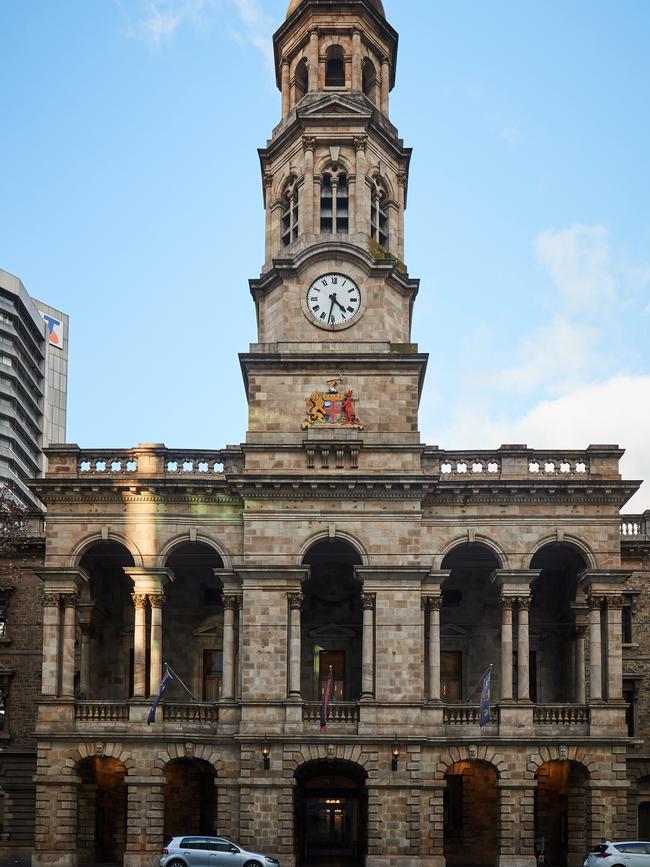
x=266 y=749
x=395 y=751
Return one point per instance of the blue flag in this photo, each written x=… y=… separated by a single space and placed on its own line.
x=164 y=683
x=486 y=709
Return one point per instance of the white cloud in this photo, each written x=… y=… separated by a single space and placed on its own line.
x=616 y=410
x=162 y=18
x=579 y=262
x=553 y=358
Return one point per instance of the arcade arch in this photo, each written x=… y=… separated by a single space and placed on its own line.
x=558 y=619
x=193 y=621
x=470 y=620
x=331 y=622
x=190 y=798
x=561 y=810
x=471 y=813
x=330 y=811
x=101 y=810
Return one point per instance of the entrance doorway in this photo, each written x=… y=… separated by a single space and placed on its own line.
x=470 y=814
x=561 y=812
x=330 y=812
x=190 y=798
x=101 y=811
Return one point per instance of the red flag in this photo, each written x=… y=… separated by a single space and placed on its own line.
x=325 y=706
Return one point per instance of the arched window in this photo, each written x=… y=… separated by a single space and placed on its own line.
x=369 y=80
x=334 y=203
x=335 y=67
x=302 y=80
x=379 y=216
x=290 y=212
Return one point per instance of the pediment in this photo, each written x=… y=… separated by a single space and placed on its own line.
x=211 y=626
x=331 y=631
x=337 y=104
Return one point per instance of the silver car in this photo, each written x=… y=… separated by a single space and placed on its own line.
x=210 y=852
x=625 y=854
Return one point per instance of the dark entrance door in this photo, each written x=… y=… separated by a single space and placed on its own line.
x=330 y=812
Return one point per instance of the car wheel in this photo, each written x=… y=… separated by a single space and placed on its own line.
x=176 y=863
x=247 y=864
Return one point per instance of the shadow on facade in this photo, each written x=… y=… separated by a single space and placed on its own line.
x=193 y=634
x=332 y=621
x=470 y=814
x=561 y=811
x=101 y=811
x=190 y=798
x=330 y=812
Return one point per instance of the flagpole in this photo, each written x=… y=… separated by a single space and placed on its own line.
x=176 y=677
x=479 y=682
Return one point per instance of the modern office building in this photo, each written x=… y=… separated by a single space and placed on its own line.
x=33 y=382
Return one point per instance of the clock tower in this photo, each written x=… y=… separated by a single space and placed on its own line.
x=334 y=362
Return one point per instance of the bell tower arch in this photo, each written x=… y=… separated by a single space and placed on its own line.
x=334 y=299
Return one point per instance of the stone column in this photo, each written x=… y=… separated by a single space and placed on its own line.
x=432 y=606
x=156 y=601
x=614 y=648
x=595 y=650
x=295 y=610
x=313 y=61
x=84 y=660
x=523 y=651
x=285 y=89
x=581 y=691
x=230 y=605
x=385 y=84
x=335 y=189
x=268 y=229
x=139 y=644
x=392 y=212
x=401 y=203
x=362 y=201
x=51 y=641
x=368 y=650
x=357 y=79
x=307 y=208
x=70 y=602
x=506 y=648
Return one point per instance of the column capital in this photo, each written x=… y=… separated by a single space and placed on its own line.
x=507 y=602
x=368 y=601
x=402 y=179
x=432 y=603
x=309 y=142
x=70 y=600
x=51 y=600
x=615 y=601
x=595 y=602
x=285 y=62
x=268 y=180
x=149 y=580
x=581 y=630
x=523 y=603
x=360 y=143
x=139 y=600
x=296 y=600
x=230 y=602
x=157 y=600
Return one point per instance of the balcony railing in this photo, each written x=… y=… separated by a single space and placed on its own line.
x=635 y=527
x=561 y=714
x=101 y=711
x=465 y=714
x=191 y=713
x=339 y=713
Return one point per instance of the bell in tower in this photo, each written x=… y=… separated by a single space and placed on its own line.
x=334 y=294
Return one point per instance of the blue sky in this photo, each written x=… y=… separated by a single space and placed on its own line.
x=132 y=200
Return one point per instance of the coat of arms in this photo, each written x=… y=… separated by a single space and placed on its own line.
x=332 y=408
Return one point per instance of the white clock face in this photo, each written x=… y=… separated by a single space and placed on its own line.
x=333 y=300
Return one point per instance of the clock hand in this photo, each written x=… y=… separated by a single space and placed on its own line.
x=332 y=299
x=335 y=300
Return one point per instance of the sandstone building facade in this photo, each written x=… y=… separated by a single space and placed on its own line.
x=335 y=544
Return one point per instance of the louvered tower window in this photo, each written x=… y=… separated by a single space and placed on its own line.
x=334 y=204
x=290 y=213
x=379 y=217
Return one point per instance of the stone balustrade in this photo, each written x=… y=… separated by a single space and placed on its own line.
x=340 y=712
x=146 y=460
x=101 y=711
x=521 y=462
x=561 y=714
x=465 y=714
x=191 y=713
x=635 y=527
